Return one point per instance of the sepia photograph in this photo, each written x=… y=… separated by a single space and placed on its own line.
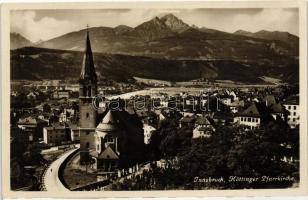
x=155 y=98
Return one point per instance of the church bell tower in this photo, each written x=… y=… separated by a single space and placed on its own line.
x=87 y=111
x=87 y=88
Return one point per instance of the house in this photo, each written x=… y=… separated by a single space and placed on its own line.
x=291 y=104
x=253 y=116
x=32 y=127
x=164 y=102
x=236 y=106
x=148 y=131
x=66 y=115
x=59 y=94
x=57 y=134
x=204 y=127
x=225 y=99
x=72 y=87
x=75 y=132
x=32 y=95
x=233 y=95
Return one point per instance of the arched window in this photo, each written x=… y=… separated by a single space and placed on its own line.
x=87 y=115
x=88 y=145
x=89 y=90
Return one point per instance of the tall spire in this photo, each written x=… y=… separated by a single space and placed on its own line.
x=88 y=69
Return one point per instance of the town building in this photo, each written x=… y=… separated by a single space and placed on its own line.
x=149 y=130
x=292 y=106
x=32 y=95
x=32 y=127
x=57 y=134
x=253 y=116
x=204 y=127
x=60 y=94
x=236 y=106
x=66 y=115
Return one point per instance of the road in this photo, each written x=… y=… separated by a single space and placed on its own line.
x=51 y=179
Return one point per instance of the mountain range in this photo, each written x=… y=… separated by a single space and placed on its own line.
x=168 y=42
x=171 y=38
x=274 y=35
x=18 y=41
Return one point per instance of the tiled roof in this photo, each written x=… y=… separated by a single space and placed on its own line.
x=108 y=153
x=108 y=123
x=255 y=110
x=203 y=121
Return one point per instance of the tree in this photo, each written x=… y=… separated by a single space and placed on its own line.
x=46 y=108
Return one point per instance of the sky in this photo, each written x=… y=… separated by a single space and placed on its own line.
x=38 y=25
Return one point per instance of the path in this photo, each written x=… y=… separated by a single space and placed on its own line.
x=51 y=179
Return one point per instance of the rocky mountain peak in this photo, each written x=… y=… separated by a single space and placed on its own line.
x=174 y=23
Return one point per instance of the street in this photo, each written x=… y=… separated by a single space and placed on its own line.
x=51 y=179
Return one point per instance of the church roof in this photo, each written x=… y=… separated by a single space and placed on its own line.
x=88 y=69
x=108 y=123
x=108 y=153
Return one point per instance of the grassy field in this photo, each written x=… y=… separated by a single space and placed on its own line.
x=74 y=171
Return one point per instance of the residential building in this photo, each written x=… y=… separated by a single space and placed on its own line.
x=32 y=127
x=253 y=116
x=236 y=106
x=204 y=127
x=148 y=131
x=292 y=106
x=59 y=94
x=57 y=134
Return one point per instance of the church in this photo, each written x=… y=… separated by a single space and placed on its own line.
x=111 y=140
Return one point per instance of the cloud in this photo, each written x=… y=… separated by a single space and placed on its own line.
x=24 y=22
x=231 y=20
x=269 y=19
